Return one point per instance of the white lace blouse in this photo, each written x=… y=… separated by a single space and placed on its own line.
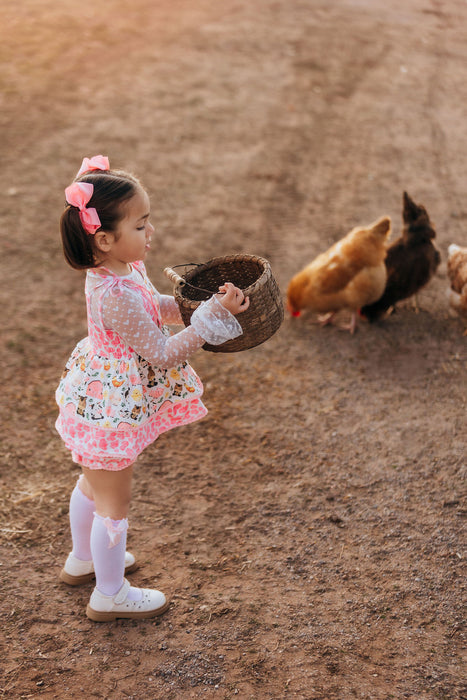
x=125 y=314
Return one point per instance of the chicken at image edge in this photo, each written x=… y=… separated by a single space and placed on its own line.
x=457 y=275
x=349 y=275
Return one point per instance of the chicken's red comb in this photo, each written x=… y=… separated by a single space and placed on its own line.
x=295 y=313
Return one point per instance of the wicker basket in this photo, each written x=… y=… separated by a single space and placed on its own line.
x=253 y=276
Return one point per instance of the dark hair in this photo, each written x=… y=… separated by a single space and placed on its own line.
x=112 y=189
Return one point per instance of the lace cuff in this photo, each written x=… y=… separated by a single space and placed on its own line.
x=214 y=323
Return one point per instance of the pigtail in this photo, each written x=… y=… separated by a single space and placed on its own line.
x=78 y=245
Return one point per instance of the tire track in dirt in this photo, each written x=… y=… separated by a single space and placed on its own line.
x=444 y=49
x=303 y=207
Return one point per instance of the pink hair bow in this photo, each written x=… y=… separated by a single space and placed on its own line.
x=78 y=195
x=94 y=163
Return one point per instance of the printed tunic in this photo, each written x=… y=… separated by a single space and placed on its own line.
x=127 y=381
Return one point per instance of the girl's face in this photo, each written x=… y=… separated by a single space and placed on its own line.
x=133 y=235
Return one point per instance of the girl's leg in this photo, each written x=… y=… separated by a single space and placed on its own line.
x=111 y=491
x=113 y=596
x=108 y=542
x=112 y=495
x=79 y=567
x=82 y=509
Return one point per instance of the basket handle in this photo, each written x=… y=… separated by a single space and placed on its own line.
x=180 y=282
x=174 y=277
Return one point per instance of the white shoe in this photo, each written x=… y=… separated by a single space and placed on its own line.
x=103 y=608
x=75 y=572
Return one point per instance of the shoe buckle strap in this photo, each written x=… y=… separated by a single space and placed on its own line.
x=120 y=597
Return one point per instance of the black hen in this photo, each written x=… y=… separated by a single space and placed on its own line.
x=411 y=260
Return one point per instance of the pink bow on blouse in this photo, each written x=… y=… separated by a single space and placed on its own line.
x=78 y=195
x=94 y=163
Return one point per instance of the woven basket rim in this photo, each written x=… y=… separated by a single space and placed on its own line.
x=265 y=313
x=236 y=257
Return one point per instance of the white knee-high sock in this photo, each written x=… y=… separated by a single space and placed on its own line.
x=81 y=517
x=108 y=544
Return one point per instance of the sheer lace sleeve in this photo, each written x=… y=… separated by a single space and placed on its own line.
x=214 y=323
x=126 y=315
x=170 y=310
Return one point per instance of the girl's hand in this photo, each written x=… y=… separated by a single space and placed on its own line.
x=233 y=299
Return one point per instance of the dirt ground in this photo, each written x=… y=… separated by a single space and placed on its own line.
x=310 y=531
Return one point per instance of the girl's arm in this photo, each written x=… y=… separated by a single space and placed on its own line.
x=233 y=299
x=125 y=314
x=170 y=311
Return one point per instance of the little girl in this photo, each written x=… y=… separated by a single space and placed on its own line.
x=126 y=382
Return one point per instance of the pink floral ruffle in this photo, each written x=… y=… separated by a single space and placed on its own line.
x=114 y=450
